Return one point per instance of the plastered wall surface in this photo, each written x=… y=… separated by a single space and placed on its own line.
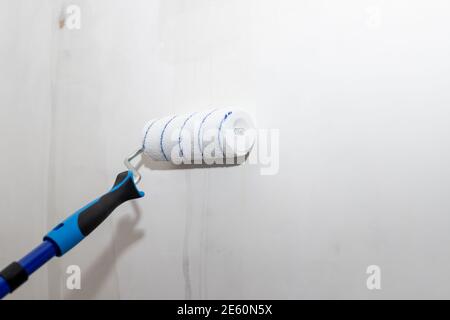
x=357 y=89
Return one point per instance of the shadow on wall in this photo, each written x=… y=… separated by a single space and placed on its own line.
x=96 y=274
x=127 y=234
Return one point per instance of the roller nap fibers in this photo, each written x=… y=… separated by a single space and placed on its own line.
x=208 y=135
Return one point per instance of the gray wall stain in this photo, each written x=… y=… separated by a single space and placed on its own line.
x=203 y=283
x=186 y=242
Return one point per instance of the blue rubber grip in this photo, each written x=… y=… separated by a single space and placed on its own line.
x=67 y=234
x=70 y=232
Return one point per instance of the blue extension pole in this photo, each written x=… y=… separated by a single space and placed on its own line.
x=31 y=262
x=4 y=288
x=38 y=257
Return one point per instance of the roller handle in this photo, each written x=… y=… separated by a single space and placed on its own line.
x=70 y=232
x=75 y=228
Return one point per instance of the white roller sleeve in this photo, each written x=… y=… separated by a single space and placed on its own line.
x=213 y=134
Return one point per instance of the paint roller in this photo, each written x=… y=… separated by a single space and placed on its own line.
x=198 y=138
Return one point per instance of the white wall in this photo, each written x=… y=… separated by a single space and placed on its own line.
x=358 y=90
x=25 y=131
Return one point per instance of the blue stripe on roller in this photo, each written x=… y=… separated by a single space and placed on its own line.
x=181 y=130
x=220 y=129
x=4 y=288
x=146 y=132
x=162 y=136
x=200 y=129
x=38 y=257
x=67 y=234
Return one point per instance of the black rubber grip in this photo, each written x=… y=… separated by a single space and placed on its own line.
x=15 y=275
x=124 y=189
